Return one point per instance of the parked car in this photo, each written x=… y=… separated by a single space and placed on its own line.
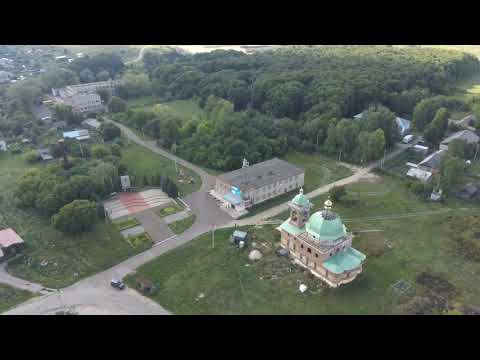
x=117 y=284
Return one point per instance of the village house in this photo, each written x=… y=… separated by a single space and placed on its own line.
x=468 y=122
x=403 y=125
x=3 y=145
x=44 y=154
x=83 y=98
x=93 y=124
x=77 y=135
x=320 y=242
x=465 y=135
x=10 y=243
x=251 y=185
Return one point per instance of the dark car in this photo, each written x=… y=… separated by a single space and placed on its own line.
x=117 y=284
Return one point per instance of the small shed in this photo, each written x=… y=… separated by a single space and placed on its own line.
x=468 y=191
x=10 y=243
x=145 y=285
x=238 y=236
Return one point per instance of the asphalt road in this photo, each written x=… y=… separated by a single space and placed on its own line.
x=95 y=295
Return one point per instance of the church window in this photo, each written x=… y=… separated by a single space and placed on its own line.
x=309 y=250
x=301 y=245
x=316 y=255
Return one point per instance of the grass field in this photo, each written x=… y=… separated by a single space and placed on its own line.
x=180 y=226
x=10 y=296
x=140 y=162
x=404 y=245
x=319 y=171
x=127 y=52
x=51 y=258
x=184 y=109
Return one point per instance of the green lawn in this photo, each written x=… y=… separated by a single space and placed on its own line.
x=170 y=210
x=126 y=224
x=142 y=162
x=181 y=226
x=65 y=259
x=319 y=171
x=469 y=88
x=184 y=109
x=140 y=241
x=10 y=297
x=401 y=248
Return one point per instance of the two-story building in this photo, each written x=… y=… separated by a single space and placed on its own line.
x=251 y=185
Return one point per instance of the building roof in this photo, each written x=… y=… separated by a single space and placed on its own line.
x=77 y=134
x=260 y=174
x=232 y=198
x=419 y=174
x=240 y=234
x=1 y=253
x=346 y=260
x=9 y=237
x=326 y=226
x=403 y=124
x=465 y=135
x=289 y=228
x=94 y=123
x=433 y=160
x=301 y=200
x=44 y=154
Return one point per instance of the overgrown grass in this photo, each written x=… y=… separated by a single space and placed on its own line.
x=182 y=225
x=405 y=245
x=50 y=257
x=10 y=297
x=142 y=162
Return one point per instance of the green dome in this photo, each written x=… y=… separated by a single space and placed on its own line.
x=301 y=200
x=326 y=226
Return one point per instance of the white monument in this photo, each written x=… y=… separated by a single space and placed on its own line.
x=125 y=181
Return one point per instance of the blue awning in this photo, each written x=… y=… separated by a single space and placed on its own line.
x=232 y=199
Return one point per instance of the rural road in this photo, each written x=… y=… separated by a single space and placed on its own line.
x=94 y=295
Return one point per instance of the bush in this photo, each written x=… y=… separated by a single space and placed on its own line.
x=337 y=192
x=117 y=105
x=32 y=157
x=76 y=217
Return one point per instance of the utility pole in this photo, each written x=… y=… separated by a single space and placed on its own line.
x=476 y=152
x=213 y=236
x=384 y=156
x=81 y=148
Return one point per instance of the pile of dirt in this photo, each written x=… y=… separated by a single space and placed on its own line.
x=437 y=284
x=431 y=304
x=466 y=248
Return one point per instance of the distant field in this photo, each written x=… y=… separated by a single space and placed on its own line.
x=127 y=52
x=471 y=49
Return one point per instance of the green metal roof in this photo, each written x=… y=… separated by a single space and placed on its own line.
x=325 y=229
x=290 y=228
x=301 y=200
x=344 y=261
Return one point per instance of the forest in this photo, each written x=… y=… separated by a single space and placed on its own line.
x=299 y=97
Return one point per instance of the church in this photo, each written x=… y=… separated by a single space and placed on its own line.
x=320 y=242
